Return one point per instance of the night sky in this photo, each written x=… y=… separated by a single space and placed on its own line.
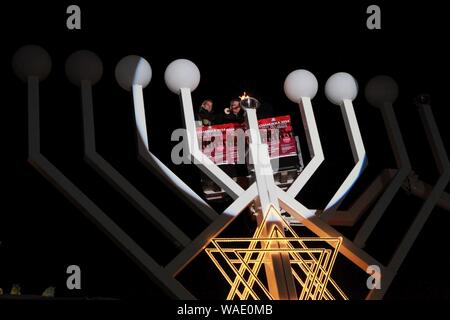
x=238 y=47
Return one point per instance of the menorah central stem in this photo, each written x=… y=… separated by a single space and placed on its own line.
x=278 y=270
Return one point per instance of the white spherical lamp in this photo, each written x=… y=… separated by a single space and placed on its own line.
x=182 y=73
x=381 y=90
x=83 y=65
x=31 y=61
x=341 y=86
x=133 y=70
x=300 y=83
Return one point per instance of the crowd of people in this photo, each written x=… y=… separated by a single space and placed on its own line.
x=233 y=113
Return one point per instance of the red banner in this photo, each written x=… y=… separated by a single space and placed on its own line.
x=227 y=143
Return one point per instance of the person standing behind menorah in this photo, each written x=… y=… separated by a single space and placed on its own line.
x=205 y=114
x=234 y=113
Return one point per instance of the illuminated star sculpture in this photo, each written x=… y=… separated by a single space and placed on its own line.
x=311 y=259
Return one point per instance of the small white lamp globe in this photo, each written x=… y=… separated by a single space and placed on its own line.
x=381 y=90
x=31 y=60
x=84 y=65
x=182 y=73
x=133 y=70
x=300 y=83
x=341 y=86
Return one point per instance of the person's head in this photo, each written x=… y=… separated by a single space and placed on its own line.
x=235 y=106
x=207 y=105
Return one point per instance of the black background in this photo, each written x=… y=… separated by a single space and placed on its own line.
x=238 y=46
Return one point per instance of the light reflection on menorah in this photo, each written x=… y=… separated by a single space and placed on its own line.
x=32 y=64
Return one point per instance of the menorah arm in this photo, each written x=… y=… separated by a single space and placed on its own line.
x=409 y=238
x=391 y=182
x=358 y=151
x=314 y=146
x=319 y=227
x=170 y=285
x=212 y=231
x=434 y=138
x=348 y=217
x=404 y=168
x=205 y=164
x=422 y=190
x=118 y=181
x=443 y=166
x=413 y=186
x=160 y=169
x=156 y=273
x=362 y=204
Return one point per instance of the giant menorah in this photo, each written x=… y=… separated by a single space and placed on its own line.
x=294 y=267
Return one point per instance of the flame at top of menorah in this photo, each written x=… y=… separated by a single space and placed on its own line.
x=249 y=102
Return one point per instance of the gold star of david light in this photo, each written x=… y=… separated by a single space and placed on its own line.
x=240 y=261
